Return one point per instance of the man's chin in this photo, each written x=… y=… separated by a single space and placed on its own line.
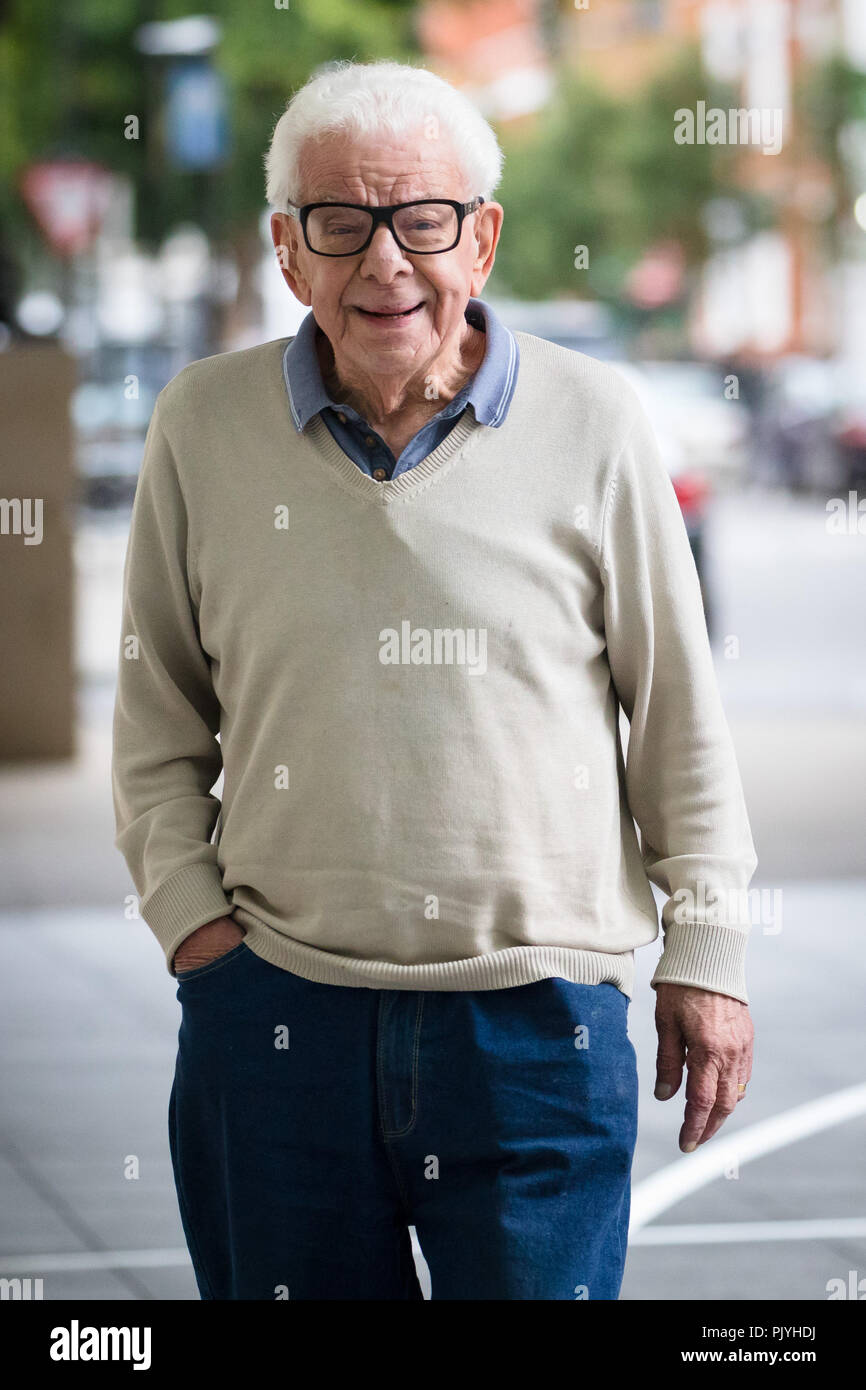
x=370 y=348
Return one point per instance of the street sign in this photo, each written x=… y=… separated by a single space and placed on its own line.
x=68 y=199
x=196 y=118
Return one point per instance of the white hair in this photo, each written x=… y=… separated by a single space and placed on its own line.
x=373 y=100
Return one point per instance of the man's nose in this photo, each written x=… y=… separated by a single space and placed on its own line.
x=383 y=254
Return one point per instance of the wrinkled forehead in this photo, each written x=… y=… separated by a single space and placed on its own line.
x=380 y=169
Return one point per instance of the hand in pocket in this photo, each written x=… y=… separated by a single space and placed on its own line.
x=207 y=943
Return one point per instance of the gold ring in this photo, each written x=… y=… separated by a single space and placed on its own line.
x=742 y=1086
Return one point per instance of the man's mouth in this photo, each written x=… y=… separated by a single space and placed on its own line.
x=390 y=313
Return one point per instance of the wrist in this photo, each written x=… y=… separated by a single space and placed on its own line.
x=207 y=941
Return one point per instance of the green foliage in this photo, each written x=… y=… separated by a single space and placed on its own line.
x=828 y=97
x=606 y=173
x=71 y=74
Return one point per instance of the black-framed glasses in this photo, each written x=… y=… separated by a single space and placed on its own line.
x=424 y=227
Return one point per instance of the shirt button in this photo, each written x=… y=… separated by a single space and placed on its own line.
x=341 y=417
x=369 y=441
x=379 y=474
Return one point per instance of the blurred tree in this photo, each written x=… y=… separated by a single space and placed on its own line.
x=68 y=77
x=71 y=76
x=832 y=99
x=600 y=172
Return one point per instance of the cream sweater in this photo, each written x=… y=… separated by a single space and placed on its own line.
x=412 y=688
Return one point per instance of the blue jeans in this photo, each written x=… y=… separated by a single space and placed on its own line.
x=311 y=1124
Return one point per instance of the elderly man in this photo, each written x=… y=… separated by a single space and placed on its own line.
x=395 y=577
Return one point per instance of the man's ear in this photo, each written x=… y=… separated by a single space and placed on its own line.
x=488 y=225
x=285 y=233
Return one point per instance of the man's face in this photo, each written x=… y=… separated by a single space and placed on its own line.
x=383 y=277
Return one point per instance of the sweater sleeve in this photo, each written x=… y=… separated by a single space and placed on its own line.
x=165 y=754
x=682 y=779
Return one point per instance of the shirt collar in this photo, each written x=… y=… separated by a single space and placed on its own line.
x=489 y=392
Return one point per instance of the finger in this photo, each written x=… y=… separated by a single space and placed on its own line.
x=670 y=1059
x=745 y=1072
x=701 y=1087
x=725 y=1104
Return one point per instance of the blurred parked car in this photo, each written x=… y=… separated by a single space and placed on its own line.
x=702 y=438
x=797 y=435
x=707 y=433
x=579 y=324
x=111 y=409
x=849 y=439
x=848 y=428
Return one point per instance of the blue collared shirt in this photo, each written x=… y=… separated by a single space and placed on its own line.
x=489 y=393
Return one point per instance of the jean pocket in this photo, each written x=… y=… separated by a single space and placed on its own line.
x=213 y=965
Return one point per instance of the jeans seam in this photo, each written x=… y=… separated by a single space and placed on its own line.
x=416 y=1048
x=380 y=1078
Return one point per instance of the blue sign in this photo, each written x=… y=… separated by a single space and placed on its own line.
x=196 y=115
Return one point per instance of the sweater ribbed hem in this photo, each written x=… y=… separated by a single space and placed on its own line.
x=515 y=965
x=704 y=955
x=192 y=896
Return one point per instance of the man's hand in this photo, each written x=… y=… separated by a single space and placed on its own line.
x=711 y=1034
x=208 y=942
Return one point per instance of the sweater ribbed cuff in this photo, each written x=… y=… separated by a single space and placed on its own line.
x=192 y=896
x=704 y=955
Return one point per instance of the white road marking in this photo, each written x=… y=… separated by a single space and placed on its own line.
x=10 y=1265
x=687 y=1174
x=730 y=1232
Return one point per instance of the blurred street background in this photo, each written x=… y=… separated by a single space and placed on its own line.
x=719 y=262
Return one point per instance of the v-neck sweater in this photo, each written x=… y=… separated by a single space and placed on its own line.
x=412 y=689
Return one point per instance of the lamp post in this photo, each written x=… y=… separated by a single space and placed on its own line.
x=193 y=132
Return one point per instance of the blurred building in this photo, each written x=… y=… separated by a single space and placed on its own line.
x=798 y=286
x=788 y=289
x=495 y=50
